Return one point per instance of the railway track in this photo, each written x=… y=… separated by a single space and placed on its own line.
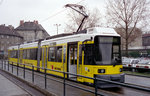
x=121 y=91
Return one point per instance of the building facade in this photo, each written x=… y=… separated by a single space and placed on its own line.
x=31 y=31
x=8 y=37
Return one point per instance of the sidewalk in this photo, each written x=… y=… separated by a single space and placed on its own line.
x=8 y=88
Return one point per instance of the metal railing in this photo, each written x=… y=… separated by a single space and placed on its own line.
x=12 y=64
x=20 y=65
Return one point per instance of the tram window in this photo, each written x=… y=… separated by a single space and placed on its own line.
x=59 y=54
x=14 y=54
x=73 y=54
x=51 y=54
x=33 y=54
x=36 y=51
x=55 y=54
x=24 y=54
x=115 y=49
x=28 y=54
x=80 y=54
x=116 y=54
x=11 y=54
x=64 y=54
x=40 y=53
x=88 y=54
x=107 y=51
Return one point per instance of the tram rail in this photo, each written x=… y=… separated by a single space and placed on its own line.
x=4 y=64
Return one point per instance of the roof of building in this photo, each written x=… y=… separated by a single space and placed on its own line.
x=8 y=30
x=30 y=26
x=146 y=35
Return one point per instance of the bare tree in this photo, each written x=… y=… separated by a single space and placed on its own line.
x=127 y=14
x=74 y=20
x=134 y=35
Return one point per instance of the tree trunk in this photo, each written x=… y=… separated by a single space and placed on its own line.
x=127 y=38
x=126 y=50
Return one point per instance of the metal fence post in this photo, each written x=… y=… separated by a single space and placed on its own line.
x=133 y=70
x=64 y=84
x=33 y=74
x=45 y=78
x=12 y=67
x=17 y=68
x=24 y=71
x=95 y=84
x=8 y=65
x=2 y=64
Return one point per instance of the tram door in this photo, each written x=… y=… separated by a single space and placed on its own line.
x=72 y=60
x=44 y=56
x=79 y=63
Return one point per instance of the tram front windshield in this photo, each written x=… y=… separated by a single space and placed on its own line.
x=105 y=51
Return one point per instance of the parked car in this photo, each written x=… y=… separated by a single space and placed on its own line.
x=130 y=62
x=143 y=64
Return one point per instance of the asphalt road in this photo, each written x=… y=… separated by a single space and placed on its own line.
x=142 y=81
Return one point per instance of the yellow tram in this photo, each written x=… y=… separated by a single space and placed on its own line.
x=94 y=52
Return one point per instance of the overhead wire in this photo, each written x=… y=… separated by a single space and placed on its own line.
x=53 y=15
x=58 y=12
x=1 y=2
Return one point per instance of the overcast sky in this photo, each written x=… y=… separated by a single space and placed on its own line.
x=47 y=12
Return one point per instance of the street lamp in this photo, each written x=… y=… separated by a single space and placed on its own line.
x=57 y=25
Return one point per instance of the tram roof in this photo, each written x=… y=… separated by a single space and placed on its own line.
x=80 y=36
x=72 y=37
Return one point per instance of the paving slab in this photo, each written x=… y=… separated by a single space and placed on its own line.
x=8 y=88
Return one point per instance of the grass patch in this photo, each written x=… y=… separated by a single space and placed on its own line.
x=138 y=73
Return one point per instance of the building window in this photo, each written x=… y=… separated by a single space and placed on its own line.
x=2 y=36
x=7 y=37
x=2 y=47
x=7 y=42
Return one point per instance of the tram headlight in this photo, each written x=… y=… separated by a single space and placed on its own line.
x=121 y=69
x=101 y=70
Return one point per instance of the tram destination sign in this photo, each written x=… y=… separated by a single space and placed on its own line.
x=108 y=40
